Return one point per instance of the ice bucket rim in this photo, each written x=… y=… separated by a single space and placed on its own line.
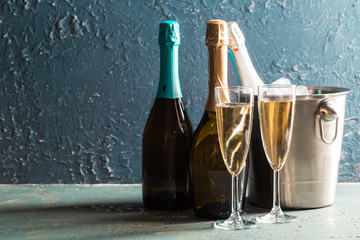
x=324 y=92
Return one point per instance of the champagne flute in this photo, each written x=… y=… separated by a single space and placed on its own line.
x=276 y=114
x=234 y=114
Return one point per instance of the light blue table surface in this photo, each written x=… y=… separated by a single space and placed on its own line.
x=115 y=212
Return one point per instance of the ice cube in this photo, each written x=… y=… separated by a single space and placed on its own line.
x=282 y=81
x=302 y=90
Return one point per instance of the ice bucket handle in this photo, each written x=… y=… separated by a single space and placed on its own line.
x=326 y=111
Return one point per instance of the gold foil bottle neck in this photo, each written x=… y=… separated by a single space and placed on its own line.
x=217 y=41
x=217 y=33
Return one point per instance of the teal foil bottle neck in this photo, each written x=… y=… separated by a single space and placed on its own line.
x=169 y=41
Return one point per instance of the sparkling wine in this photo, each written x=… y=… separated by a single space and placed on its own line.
x=234 y=126
x=275 y=123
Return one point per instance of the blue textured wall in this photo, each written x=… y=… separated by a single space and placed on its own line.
x=77 y=78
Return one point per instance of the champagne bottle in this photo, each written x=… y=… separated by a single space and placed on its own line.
x=241 y=58
x=210 y=180
x=167 y=133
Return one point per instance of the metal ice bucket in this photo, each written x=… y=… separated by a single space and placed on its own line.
x=309 y=177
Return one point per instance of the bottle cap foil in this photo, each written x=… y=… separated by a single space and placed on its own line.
x=169 y=33
x=236 y=36
x=217 y=33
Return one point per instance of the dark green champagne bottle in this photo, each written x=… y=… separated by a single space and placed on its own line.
x=167 y=133
x=210 y=180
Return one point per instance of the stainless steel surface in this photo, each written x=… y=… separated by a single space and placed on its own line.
x=327 y=112
x=309 y=177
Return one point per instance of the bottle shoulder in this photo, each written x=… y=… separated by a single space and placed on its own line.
x=206 y=127
x=205 y=143
x=169 y=115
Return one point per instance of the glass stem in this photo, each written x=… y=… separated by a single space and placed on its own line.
x=243 y=178
x=276 y=194
x=235 y=197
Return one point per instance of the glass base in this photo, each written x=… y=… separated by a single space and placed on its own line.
x=234 y=223
x=276 y=216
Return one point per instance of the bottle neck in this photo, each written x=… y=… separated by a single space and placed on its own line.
x=245 y=68
x=218 y=73
x=169 y=83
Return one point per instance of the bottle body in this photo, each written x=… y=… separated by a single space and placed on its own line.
x=166 y=144
x=210 y=180
x=167 y=134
